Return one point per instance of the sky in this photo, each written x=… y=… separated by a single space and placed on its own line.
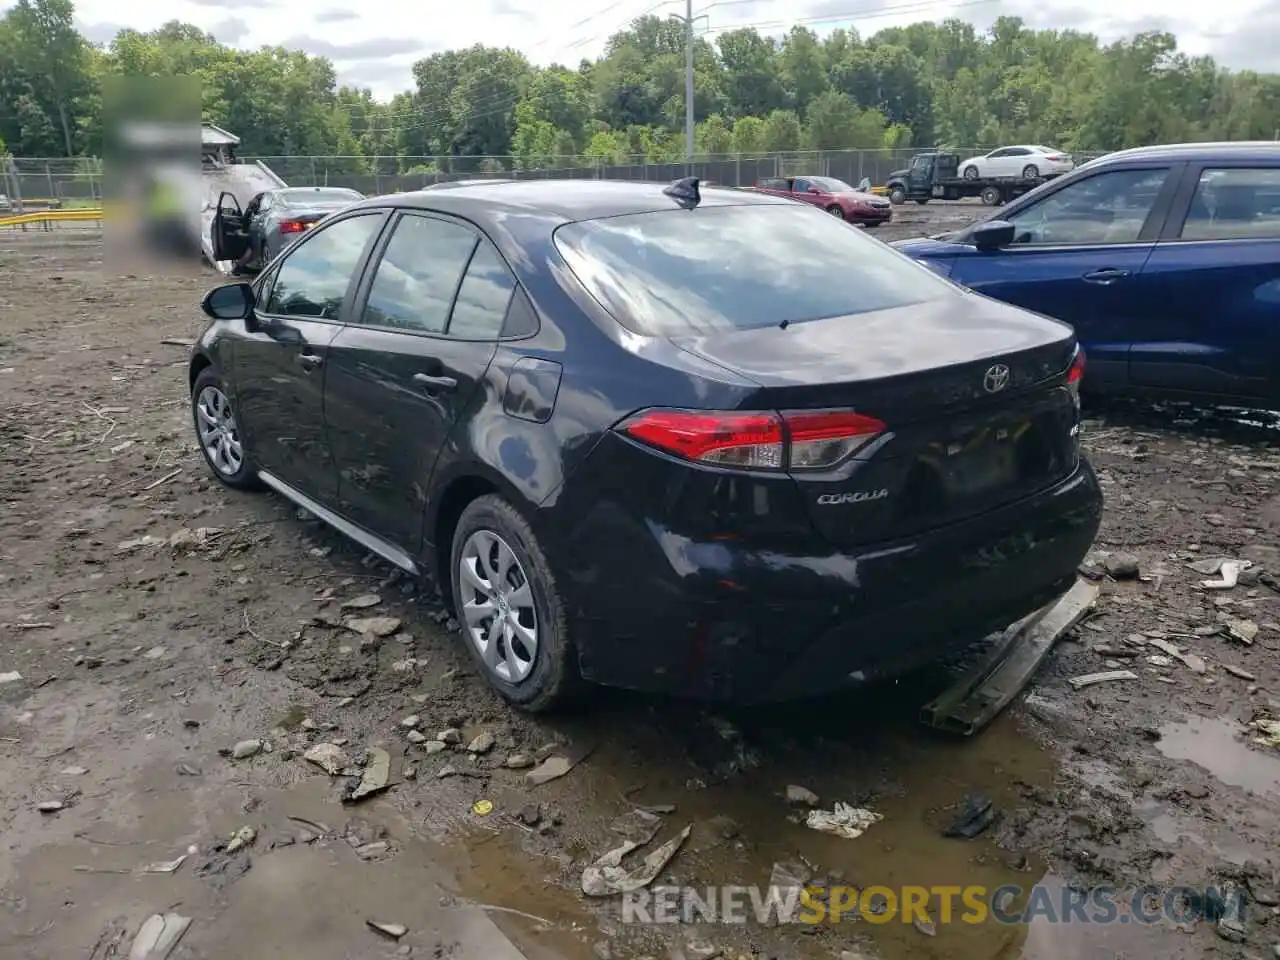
x=373 y=44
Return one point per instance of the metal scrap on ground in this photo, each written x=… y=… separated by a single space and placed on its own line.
x=607 y=876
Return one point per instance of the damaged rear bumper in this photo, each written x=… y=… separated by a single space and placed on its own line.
x=746 y=625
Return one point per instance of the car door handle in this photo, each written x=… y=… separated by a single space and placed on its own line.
x=309 y=361
x=435 y=383
x=1106 y=275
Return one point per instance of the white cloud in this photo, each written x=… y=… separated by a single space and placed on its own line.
x=375 y=44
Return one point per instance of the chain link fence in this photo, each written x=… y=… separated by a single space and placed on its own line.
x=41 y=182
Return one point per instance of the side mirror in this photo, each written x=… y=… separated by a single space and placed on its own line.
x=992 y=235
x=232 y=301
x=814 y=190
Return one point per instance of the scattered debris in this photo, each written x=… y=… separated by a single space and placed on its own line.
x=976 y=814
x=1246 y=631
x=158 y=936
x=1229 y=570
x=607 y=876
x=1270 y=730
x=165 y=866
x=246 y=749
x=1116 y=653
x=638 y=826
x=801 y=795
x=1122 y=566
x=518 y=761
x=241 y=839
x=555 y=766
x=1238 y=672
x=1089 y=679
x=74 y=771
x=51 y=806
x=1232 y=930
x=373 y=626
x=329 y=757
x=376 y=777
x=483 y=743
x=411 y=722
x=137 y=543
x=11 y=677
x=363 y=602
x=482 y=808
x=392 y=931
x=843 y=820
x=1191 y=660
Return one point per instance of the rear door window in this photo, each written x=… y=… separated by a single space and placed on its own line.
x=418 y=275
x=677 y=272
x=1235 y=204
x=481 y=307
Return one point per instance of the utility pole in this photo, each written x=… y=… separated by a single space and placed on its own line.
x=688 y=82
x=688 y=20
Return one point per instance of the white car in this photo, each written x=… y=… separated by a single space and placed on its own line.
x=1023 y=161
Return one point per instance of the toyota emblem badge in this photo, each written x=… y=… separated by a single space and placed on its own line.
x=996 y=378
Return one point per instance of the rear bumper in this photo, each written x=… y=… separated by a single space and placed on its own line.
x=722 y=621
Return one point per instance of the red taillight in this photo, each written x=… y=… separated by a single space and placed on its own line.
x=293 y=226
x=1076 y=373
x=798 y=440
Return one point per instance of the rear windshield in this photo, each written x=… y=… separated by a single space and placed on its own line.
x=303 y=198
x=678 y=272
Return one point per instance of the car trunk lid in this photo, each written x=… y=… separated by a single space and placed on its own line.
x=972 y=394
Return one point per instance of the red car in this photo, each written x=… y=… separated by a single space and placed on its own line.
x=835 y=196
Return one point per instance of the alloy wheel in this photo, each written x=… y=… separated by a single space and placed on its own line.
x=219 y=437
x=497 y=606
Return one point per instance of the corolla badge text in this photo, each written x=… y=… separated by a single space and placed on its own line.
x=861 y=496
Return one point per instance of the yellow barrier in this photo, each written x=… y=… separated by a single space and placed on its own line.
x=51 y=216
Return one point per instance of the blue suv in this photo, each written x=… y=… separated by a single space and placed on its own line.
x=1166 y=260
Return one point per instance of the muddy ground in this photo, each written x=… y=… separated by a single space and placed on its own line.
x=157 y=619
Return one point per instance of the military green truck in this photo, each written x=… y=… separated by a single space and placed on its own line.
x=933 y=175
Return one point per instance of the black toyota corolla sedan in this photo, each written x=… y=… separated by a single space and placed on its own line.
x=681 y=439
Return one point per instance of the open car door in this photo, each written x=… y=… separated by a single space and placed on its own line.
x=230 y=229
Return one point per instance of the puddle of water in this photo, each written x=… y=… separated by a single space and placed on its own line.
x=1214 y=745
x=868 y=755
x=300 y=899
x=293 y=717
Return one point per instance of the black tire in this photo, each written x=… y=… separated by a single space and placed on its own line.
x=835 y=211
x=897 y=196
x=246 y=476
x=1030 y=172
x=922 y=201
x=991 y=197
x=970 y=173
x=554 y=680
x=872 y=224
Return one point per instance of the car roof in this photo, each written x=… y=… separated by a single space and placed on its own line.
x=1229 y=150
x=561 y=200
